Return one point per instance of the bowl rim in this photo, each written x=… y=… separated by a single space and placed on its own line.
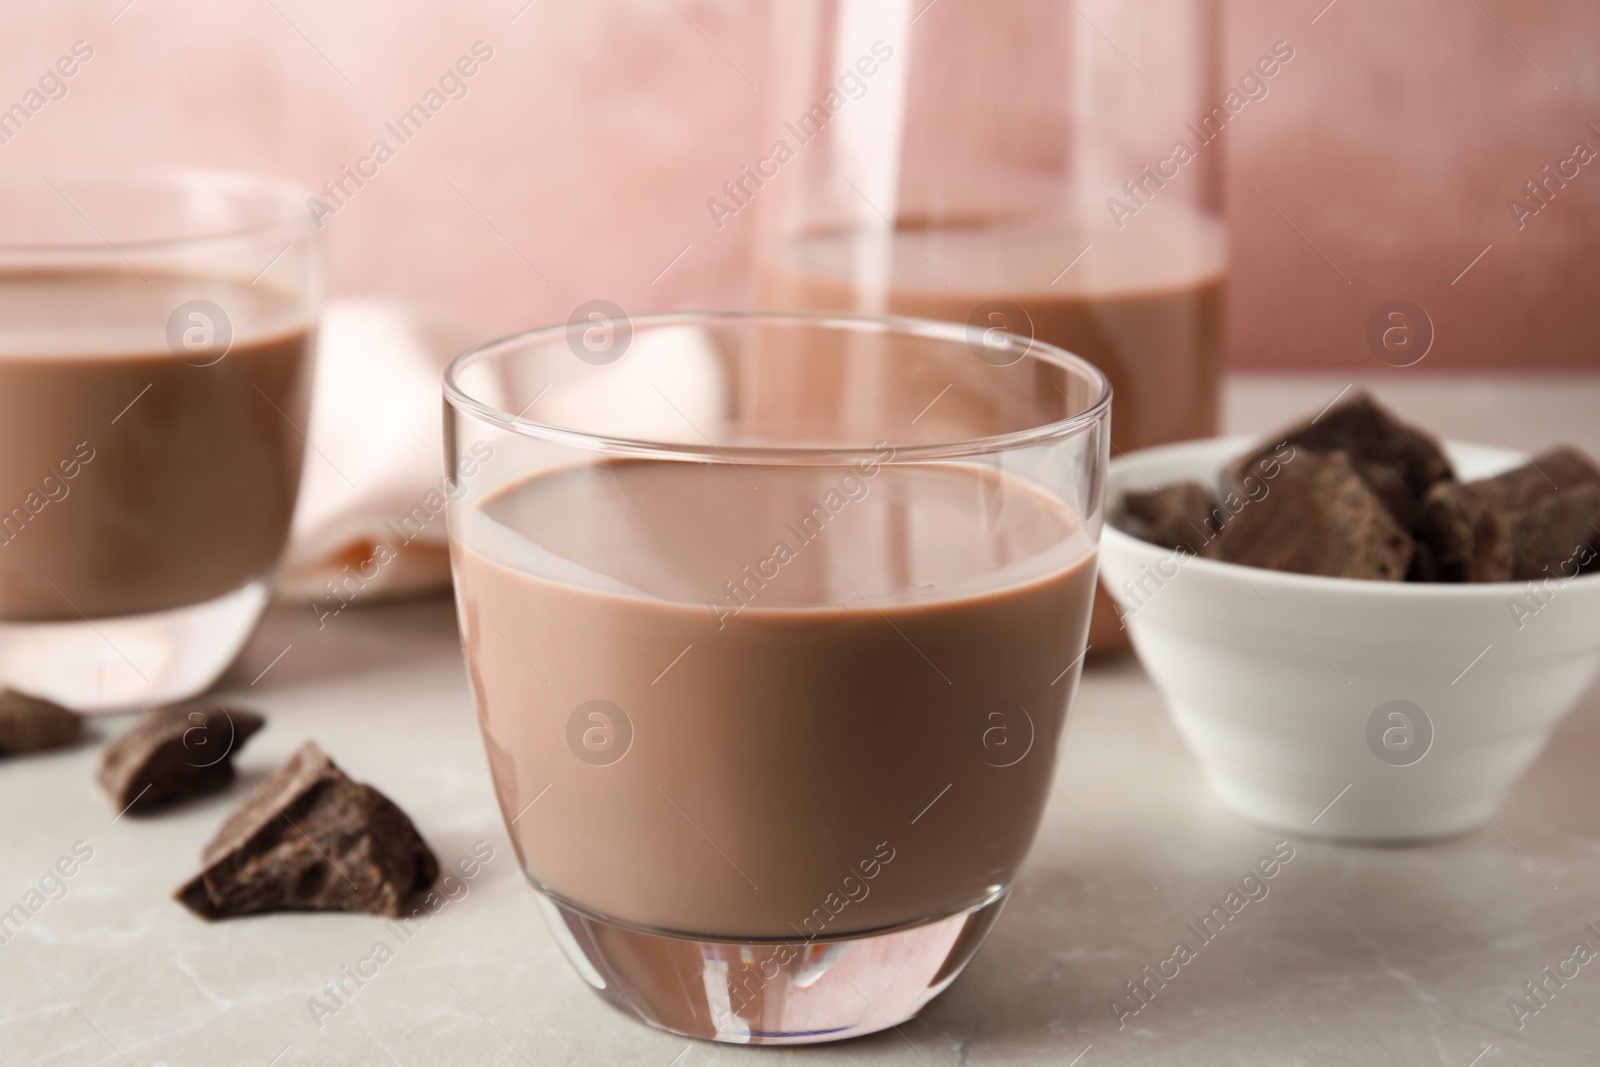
x=1289 y=581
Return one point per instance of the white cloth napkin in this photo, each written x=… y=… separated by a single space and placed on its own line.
x=375 y=456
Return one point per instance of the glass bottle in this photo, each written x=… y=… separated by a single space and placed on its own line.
x=1051 y=169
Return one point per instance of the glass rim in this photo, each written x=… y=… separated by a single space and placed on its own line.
x=1097 y=410
x=291 y=213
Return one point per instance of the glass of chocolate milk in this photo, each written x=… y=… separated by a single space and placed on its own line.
x=156 y=334
x=772 y=621
x=1045 y=168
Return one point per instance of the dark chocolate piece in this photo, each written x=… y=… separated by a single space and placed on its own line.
x=1183 y=515
x=1537 y=521
x=173 y=753
x=28 y=724
x=1424 y=564
x=1322 y=518
x=1558 y=536
x=310 y=839
x=1398 y=461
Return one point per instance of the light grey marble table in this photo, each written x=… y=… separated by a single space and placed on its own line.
x=1366 y=956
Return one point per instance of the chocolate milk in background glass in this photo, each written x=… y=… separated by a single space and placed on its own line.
x=804 y=678
x=132 y=481
x=1143 y=303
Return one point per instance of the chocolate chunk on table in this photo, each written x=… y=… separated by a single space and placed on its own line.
x=1537 y=521
x=1183 y=516
x=28 y=724
x=1320 y=517
x=310 y=839
x=1399 y=462
x=175 y=752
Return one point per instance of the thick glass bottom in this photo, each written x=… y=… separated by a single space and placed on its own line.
x=133 y=661
x=771 y=992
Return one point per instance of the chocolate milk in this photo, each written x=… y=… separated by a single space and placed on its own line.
x=771 y=701
x=1144 y=304
x=130 y=480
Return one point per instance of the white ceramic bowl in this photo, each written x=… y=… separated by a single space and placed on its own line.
x=1346 y=709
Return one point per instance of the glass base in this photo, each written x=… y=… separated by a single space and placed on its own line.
x=133 y=661
x=771 y=992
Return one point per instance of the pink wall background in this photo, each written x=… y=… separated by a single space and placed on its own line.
x=579 y=162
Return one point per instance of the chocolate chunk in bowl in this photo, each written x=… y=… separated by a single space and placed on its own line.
x=1399 y=461
x=1177 y=516
x=1533 y=522
x=1319 y=517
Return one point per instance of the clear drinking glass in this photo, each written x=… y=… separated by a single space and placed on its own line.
x=156 y=346
x=771 y=675
x=1052 y=169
